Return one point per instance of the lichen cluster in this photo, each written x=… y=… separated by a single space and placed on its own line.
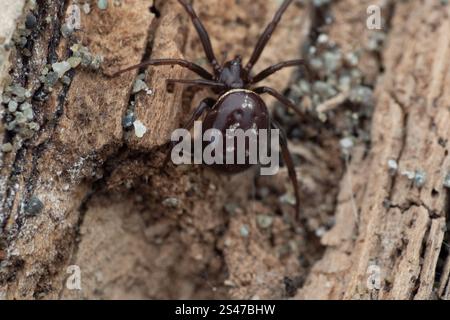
x=130 y=121
x=18 y=101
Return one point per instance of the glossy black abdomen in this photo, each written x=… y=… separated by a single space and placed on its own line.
x=237 y=109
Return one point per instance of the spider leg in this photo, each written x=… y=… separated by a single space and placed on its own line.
x=289 y=164
x=203 y=34
x=204 y=105
x=277 y=67
x=284 y=101
x=197 y=82
x=170 y=62
x=265 y=37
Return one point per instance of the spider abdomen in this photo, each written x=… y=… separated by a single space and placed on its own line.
x=237 y=109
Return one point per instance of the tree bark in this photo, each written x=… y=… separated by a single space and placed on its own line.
x=399 y=226
x=84 y=191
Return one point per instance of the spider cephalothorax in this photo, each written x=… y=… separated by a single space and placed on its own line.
x=232 y=75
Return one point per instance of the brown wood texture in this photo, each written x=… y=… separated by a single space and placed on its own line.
x=136 y=232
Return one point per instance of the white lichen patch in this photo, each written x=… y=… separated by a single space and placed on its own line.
x=88 y=60
x=102 y=4
x=61 y=68
x=393 y=167
x=347 y=145
x=410 y=175
x=420 y=178
x=9 y=13
x=139 y=85
x=74 y=61
x=447 y=181
x=7 y=147
x=139 y=129
x=86 y=8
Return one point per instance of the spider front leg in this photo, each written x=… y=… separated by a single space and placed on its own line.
x=282 y=99
x=169 y=62
x=267 y=34
x=197 y=82
x=204 y=37
x=277 y=67
x=289 y=164
x=206 y=104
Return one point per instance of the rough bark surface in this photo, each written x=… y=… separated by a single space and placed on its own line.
x=135 y=232
x=397 y=227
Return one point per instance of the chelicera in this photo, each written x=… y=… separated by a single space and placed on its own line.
x=236 y=87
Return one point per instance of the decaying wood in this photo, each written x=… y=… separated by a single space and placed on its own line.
x=88 y=144
x=136 y=232
x=399 y=227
